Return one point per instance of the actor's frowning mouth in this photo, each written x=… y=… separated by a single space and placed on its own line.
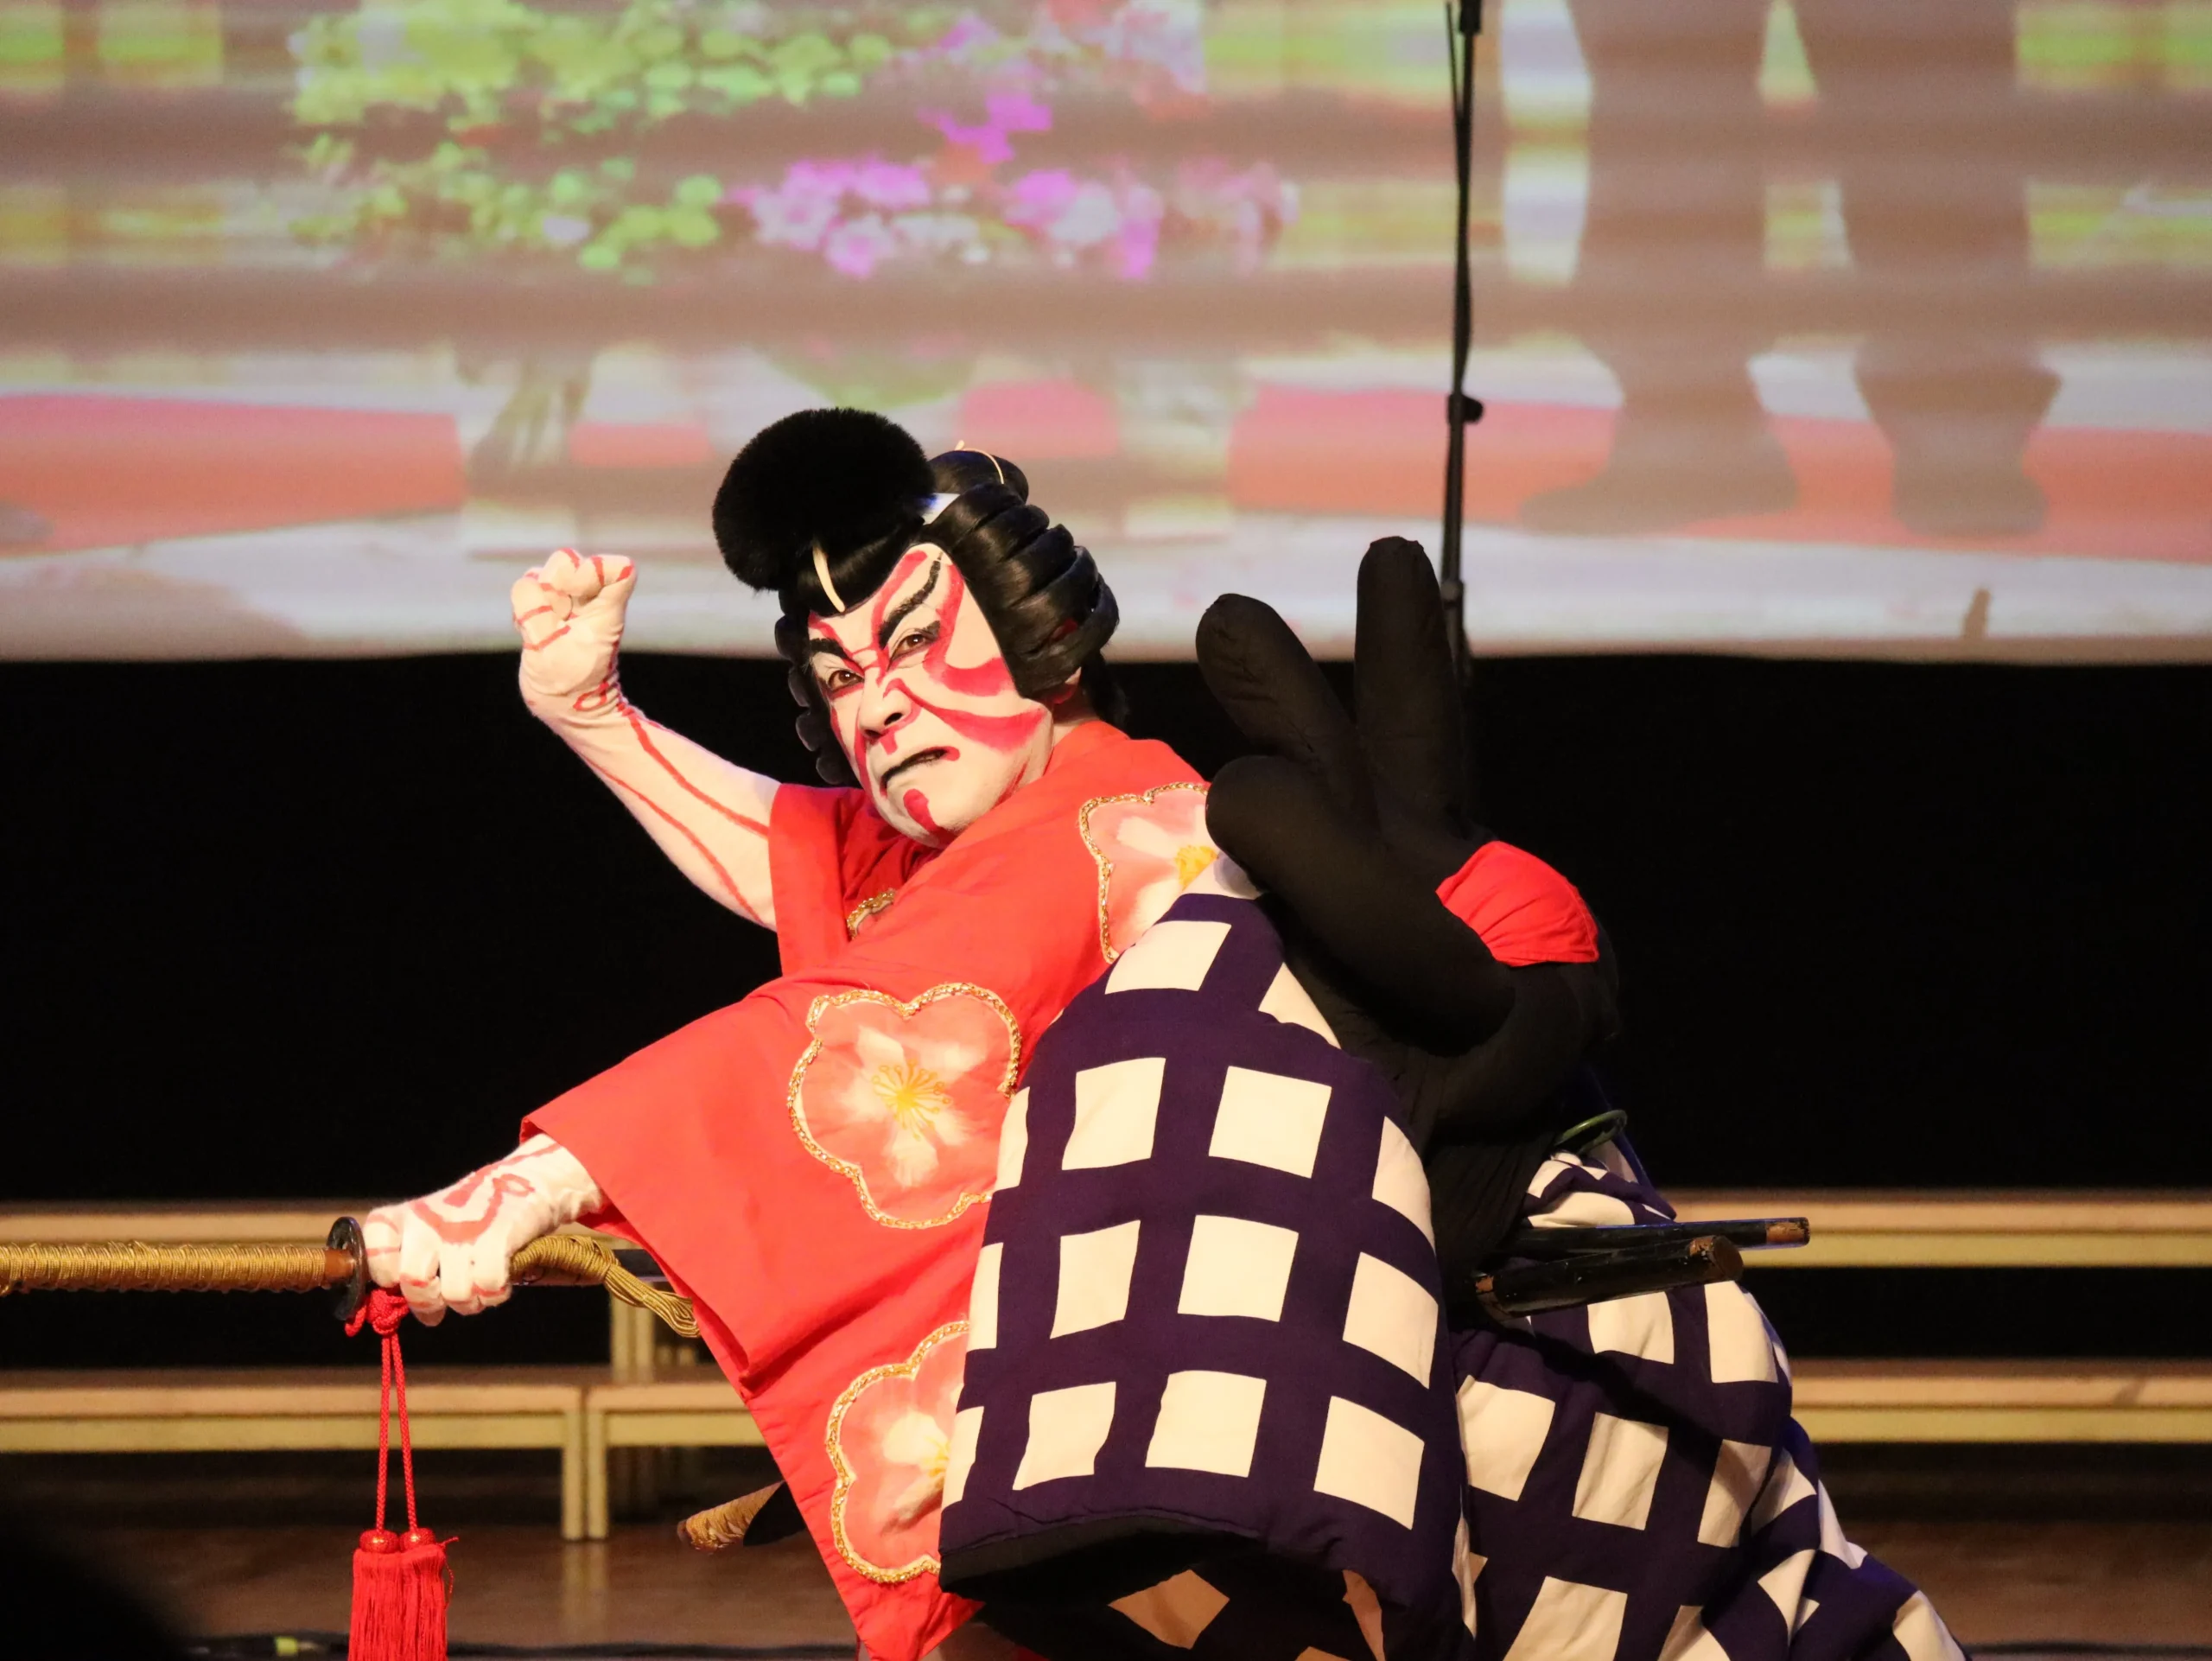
x=919 y=758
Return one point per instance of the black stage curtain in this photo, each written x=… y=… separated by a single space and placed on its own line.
x=305 y=928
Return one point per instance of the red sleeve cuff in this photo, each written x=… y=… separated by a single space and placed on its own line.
x=1526 y=912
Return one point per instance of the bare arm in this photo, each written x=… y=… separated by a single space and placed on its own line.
x=710 y=815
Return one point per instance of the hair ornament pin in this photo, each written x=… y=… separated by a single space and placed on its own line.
x=964 y=445
x=822 y=576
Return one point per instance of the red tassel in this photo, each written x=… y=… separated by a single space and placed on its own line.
x=401 y=1585
x=399 y=1598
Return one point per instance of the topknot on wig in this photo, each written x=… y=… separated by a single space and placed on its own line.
x=846 y=481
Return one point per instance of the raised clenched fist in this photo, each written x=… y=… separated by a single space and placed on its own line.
x=569 y=611
x=449 y=1250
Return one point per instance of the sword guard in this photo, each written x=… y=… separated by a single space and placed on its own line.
x=350 y=1293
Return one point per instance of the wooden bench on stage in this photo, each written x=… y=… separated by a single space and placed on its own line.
x=2004 y=1400
x=1935 y=1228
x=252 y=1409
x=640 y=1401
x=1909 y=1401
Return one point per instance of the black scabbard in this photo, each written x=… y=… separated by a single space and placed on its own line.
x=1747 y=1234
x=1595 y=1277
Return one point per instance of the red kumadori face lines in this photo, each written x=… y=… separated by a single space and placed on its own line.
x=922 y=702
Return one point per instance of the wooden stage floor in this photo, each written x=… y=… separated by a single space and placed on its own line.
x=1995 y=1582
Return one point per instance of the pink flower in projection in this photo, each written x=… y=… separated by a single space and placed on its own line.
x=1118 y=220
x=1004 y=113
x=1040 y=196
x=858 y=245
x=837 y=208
x=1149 y=849
x=905 y=1099
x=804 y=209
x=969 y=36
x=1137 y=241
x=890 y=1440
x=886 y=185
x=1169 y=35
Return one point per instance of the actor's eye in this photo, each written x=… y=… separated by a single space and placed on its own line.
x=913 y=641
x=838 y=680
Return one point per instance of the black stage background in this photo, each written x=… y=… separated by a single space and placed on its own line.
x=301 y=929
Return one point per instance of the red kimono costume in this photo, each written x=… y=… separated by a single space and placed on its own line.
x=811 y=1164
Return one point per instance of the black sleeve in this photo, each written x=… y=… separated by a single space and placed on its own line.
x=1560 y=1013
x=1508 y=1104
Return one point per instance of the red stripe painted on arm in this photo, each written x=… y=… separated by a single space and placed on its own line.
x=728 y=883
x=642 y=726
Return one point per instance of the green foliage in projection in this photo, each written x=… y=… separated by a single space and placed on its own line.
x=600 y=213
x=504 y=81
x=497 y=62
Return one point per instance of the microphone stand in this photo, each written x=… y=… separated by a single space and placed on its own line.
x=1462 y=21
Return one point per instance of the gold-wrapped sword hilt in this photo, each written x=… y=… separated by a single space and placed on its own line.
x=338 y=1265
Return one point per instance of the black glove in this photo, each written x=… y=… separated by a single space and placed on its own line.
x=1351 y=829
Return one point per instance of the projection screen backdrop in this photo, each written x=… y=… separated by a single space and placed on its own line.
x=1863 y=326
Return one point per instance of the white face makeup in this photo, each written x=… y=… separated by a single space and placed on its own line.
x=923 y=705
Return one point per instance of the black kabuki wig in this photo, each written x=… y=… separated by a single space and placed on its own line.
x=845 y=493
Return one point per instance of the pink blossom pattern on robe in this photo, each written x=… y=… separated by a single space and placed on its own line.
x=890 y=1439
x=906 y=1098
x=1149 y=848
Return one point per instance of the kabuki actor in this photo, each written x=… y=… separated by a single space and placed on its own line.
x=1205 y=1376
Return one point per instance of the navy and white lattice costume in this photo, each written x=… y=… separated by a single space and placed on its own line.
x=1635 y=1486
x=1211 y=1407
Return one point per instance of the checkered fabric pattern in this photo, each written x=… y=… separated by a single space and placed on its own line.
x=1208 y=1302
x=1636 y=1490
